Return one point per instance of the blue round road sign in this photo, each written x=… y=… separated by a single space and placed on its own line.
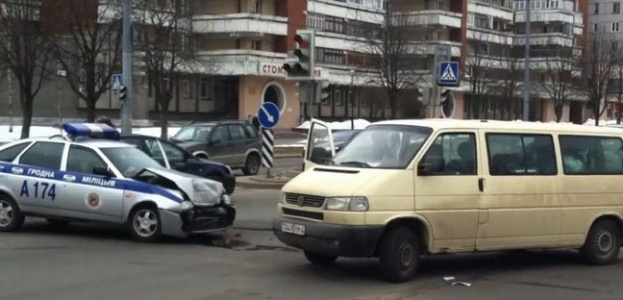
x=268 y=115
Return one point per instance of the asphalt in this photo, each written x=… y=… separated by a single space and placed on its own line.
x=101 y=263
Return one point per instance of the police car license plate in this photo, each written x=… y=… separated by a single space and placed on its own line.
x=297 y=229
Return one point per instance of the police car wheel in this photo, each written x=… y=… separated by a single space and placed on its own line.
x=144 y=224
x=11 y=218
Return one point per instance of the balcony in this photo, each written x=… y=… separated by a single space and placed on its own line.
x=551 y=15
x=496 y=11
x=542 y=39
x=490 y=36
x=431 y=18
x=241 y=24
x=430 y=47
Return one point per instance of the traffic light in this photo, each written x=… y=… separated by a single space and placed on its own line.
x=447 y=104
x=300 y=62
x=322 y=92
x=122 y=93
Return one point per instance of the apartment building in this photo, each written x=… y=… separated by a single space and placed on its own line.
x=239 y=47
x=606 y=17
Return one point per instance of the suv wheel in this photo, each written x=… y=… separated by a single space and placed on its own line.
x=252 y=165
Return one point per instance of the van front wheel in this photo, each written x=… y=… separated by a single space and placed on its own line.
x=603 y=243
x=399 y=255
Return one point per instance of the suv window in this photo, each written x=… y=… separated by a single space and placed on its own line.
x=9 y=154
x=44 y=154
x=250 y=131
x=83 y=160
x=220 y=134
x=236 y=132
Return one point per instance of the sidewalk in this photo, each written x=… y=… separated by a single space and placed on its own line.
x=260 y=181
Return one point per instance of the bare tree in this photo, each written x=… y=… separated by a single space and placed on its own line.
x=557 y=78
x=87 y=46
x=163 y=36
x=394 y=56
x=510 y=76
x=479 y=67
x=24 y=52
x=599 y=64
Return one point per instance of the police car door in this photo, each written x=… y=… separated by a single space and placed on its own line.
x=94 y=197
x=35 y=180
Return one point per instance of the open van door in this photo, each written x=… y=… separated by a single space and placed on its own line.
x=319 y=145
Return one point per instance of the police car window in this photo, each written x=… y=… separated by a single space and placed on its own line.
x=44 y=154
x=10 y=153
x=83 y=160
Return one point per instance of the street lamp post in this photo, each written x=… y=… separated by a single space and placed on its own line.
x=352 y=101
x=526 y=81
x=127 y=107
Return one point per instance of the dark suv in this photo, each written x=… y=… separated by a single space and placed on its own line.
x=233 y=143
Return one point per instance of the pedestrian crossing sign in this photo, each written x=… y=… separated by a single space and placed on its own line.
x=449 y=73
x=117 y=82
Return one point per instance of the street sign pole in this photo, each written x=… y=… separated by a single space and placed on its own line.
x=127 y=106
x=268 y=117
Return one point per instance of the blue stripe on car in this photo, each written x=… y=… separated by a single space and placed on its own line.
x=92 y=180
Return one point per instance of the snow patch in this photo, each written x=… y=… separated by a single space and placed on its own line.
x=344 y=125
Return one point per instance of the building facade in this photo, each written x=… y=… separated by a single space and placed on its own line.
x=240 y=47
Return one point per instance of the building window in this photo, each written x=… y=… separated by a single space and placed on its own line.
x=615 y=27
x=257 y=7
x=186 y=89
x=616 y=8
x=256 y=45
x=481 y=21
x=206 y=89
x=596 y=8
x=595 y=27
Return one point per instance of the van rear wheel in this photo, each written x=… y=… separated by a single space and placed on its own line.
x=603 y=243
x=399 y=254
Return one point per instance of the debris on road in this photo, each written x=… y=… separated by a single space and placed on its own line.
x=454 y=282
x=237 y=244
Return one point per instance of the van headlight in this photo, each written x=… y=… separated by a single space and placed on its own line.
x=357 y=203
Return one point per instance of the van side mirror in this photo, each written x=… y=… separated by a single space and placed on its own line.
x=431 y=165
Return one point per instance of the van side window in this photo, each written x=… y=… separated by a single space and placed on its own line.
x=458 y=153
x=521 y=154
x=588 y=155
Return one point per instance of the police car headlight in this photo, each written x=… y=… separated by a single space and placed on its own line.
x=186 y=205
x=204 y=192
x=347 y=203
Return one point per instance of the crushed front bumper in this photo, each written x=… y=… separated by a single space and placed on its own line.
x=197 y=220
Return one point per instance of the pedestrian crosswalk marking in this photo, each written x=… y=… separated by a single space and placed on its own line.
x=448 y=74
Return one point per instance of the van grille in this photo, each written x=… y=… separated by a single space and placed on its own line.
x=305 y=200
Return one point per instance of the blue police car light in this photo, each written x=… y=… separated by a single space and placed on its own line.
x=90 y=129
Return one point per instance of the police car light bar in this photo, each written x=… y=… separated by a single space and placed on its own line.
x=91 y=130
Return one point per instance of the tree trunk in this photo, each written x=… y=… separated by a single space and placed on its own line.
x=596 y=112
x=164 y=126
x=558 y=108
x=26 y=103
x=90 y=110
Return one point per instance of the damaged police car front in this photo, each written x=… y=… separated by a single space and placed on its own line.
x=106 y=181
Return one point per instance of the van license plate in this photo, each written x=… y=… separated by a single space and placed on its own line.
x=297 y=229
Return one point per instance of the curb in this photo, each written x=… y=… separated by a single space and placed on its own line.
x=287 y=155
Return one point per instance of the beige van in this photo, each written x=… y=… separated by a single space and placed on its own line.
x=403 y=189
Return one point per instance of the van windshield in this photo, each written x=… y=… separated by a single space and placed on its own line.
x=383 y=147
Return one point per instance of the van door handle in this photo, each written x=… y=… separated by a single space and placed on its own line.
x=481 y=184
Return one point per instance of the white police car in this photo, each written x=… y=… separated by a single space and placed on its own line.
x=107 y=181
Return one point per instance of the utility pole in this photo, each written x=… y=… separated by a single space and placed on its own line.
x=526 y=81
x=620 y=59
x=10 y=87
x=352 y=101
x=127 y=106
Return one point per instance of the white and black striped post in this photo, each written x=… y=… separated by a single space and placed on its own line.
x=268 y=142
